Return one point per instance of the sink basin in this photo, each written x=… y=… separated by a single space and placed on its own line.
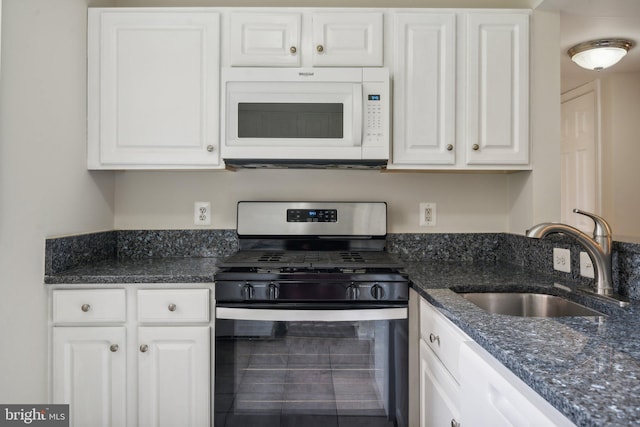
x=528 y=304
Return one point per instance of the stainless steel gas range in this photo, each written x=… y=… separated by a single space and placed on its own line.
x=311 y=319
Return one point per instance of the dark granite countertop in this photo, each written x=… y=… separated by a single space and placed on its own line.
x=586 y=367
x=144 y=270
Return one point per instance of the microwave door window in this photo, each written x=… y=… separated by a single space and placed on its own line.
x=271 y=120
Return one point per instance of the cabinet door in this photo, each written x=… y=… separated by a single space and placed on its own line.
x=89 y=373
x=264 y=39
x=493 y=394
x=153 y=84
x=347 y=39
x=497 y=89
x=439 y=393
x=174 y=376
x=424 y=93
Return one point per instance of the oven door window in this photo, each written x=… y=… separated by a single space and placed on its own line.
x=310 y=373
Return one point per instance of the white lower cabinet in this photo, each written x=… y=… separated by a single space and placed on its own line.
x=440 y=343
x=492 y=393
x=89 y=374
x=461 y=384
x=173 y=376
x=132 y=357
x=439 y=392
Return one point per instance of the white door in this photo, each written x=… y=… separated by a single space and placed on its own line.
x=264 y=39
x=348 y=39
x=89 y=374
x=579 y=147
x=174 y=376
x=153 y=84
x=424 y=89
x=497 y=88
x=439 y=393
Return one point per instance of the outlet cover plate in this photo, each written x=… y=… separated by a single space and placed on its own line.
x=586 y=265
x=562 y=260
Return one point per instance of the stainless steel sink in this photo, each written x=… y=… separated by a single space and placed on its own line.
x=528 y=304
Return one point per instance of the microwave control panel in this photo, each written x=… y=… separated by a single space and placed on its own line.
x=374 y=104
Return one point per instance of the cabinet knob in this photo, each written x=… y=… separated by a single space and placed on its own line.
x=172 y=307
x=85 y=307
x=210 y=148
x=434 y=338
x=144 y=348
x=114 y=348
x=293 y=50
x=449 y=147
x=454 y=423
x=475 y=147
x=320 y=48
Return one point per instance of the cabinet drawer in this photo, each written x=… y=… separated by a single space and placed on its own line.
x=441 y=336
x=89 y=306
x=173 y=305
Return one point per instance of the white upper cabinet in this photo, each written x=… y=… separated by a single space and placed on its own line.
x=461 y=90
x=264 y=39
x=153 y=89
x=347 y=39
x=290 y=39
x=424 y=91
x=497 y=89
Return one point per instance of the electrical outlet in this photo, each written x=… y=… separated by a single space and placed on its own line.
x=202 y=213
x=428 y=214
x=562 y=260
x=586 y=265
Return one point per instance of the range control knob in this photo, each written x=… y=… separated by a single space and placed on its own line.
x=247 y=291
x=377 y=292
x=273 y=291
x=353 y=291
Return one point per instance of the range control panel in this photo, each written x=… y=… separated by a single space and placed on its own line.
x=312 y=215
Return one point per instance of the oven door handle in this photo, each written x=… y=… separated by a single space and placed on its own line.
x=352 y=315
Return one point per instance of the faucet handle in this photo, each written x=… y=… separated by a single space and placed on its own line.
x=602 y=228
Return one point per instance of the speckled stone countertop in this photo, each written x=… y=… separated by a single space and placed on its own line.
x=145 y=270
x=586 y=367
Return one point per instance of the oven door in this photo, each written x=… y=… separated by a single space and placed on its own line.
x=293 y=367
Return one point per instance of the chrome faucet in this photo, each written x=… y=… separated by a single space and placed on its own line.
x=598 y=247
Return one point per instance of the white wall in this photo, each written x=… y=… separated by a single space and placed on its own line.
x=465 y=202
x=620 y=94
x=45 y=188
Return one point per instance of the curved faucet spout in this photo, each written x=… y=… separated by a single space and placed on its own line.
x=598 y=247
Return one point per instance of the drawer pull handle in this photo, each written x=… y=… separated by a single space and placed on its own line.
x=454 y=423
x=293 y=50
x=172 y=307
x=434 y=338
x=144 y=348
x=320 y=48
x=114 y=348
x=85 y=307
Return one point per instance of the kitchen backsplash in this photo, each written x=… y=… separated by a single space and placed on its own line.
x=67 y=252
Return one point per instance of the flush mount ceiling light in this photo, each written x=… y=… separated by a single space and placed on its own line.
x=599 y=54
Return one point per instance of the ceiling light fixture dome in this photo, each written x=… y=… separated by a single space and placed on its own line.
x=599 y=54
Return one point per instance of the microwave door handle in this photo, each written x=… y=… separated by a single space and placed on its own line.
x=358 y=114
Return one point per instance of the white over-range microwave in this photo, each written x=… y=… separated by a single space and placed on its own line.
x=305 y=117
